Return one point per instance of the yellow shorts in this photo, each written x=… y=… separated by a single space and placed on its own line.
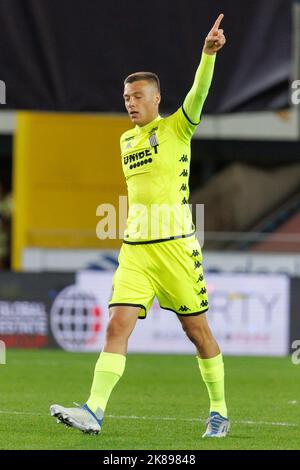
x=170 y=270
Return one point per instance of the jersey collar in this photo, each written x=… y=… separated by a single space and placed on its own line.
x=148 y=126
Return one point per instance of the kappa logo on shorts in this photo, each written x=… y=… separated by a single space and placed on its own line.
x=184 y=308
x=204 y=303
x=200 y=278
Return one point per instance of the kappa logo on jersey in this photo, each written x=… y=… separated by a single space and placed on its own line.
x=195 y=253
x=128 y=140
x=202 y=291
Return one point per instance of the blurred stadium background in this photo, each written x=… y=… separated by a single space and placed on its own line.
x=62 y=66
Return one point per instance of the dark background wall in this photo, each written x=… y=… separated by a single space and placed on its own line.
x=74 y=54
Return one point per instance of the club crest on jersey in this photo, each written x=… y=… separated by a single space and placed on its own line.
x=153 y=141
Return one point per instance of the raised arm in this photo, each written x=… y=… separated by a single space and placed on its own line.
x=195 y=98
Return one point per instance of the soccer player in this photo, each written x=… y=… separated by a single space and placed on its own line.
x=158 y=258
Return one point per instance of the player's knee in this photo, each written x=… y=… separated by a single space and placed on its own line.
x=117 y=328
x=198 y=334
x=187 y=331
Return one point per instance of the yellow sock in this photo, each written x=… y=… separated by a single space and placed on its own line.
x=109 y=369
x=212 y=371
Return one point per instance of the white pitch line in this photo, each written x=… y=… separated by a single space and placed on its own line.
x=26 y=413
x=153 y=418
x=161 y=418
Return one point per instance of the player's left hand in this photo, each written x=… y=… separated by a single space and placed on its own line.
x=215 y=39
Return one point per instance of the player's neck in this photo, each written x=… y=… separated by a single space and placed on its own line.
x=157 y=116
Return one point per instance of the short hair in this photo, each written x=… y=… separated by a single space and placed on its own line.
x=150 y=76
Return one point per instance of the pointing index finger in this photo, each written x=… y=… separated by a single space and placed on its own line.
x=218 y=22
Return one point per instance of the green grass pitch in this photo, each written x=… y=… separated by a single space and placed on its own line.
x=160 y=403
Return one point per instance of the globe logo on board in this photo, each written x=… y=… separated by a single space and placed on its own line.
x=75 y=319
